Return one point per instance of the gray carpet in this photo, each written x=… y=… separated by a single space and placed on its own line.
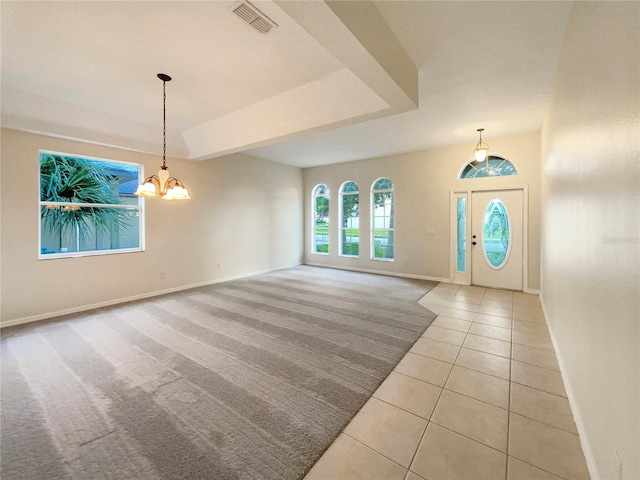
x=252 y=378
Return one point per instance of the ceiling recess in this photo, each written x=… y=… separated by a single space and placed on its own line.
x=254 y=17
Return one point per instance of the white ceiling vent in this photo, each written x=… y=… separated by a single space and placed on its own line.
x=254 y=17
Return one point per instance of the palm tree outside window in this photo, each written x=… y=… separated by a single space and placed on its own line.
x=88 y=206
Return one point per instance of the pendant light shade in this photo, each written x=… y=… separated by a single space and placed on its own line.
x=163 y=184
x=482 y=148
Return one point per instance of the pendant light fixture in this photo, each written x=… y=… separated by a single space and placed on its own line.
x=482 y=148
x=163 y=184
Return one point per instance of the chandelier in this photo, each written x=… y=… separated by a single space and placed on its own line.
x=482 y=148
x=163 y=184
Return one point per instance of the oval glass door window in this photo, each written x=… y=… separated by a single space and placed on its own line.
x=496 y=234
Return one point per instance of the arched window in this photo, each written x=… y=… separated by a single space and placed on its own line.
x=349 y=219
x=494 y=166
x=320 y=233
x=382 y=220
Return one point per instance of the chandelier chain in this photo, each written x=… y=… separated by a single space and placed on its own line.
x=164 y=124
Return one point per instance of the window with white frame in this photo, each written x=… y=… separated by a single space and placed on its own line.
x=349 y=220
x=88 y=206
x=382 y=220
x=320 y=233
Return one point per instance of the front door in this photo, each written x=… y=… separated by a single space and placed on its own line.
x=496 y=238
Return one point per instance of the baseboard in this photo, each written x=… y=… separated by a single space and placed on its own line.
x=380 y=272
x=93 y=306
x=533 y=291
x=582 y=432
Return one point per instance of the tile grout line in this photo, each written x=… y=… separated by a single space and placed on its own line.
x=435 y=405
x=506 y=470
x=373 y=450
x=510 y=375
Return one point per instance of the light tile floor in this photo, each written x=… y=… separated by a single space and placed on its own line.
x=478 y=396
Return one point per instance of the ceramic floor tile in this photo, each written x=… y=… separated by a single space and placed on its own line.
x=410 y=394
x=542 y=406
x=467 y=298
x=527 y=307
x=424 y=368
x=442 y=289
x=484 y=362
x=492 y=320
x=472 y=418
x=527 y=315
x=535 y=341
x=531 y=328
x=498 y=312
x=447 y=285
x=490 y=331
x=446 y=455
x=451 y=323
x=526 y=297
x=413 y=476
x=488 y=345
x=536 y=377
x=444 y=335
x=547 y=448
x=445 y=352
x=480 y=386
x=527 y=300
x=535 y=356
x=433 y=300
x=443 y=292
x=472 y=289
x=497 y=302
x=501 y=296
x=388 y=430
x=347 y=458
x=436 y=309
x=437 y=298
x=468 y=307
x=518 y=470
x=454 y=313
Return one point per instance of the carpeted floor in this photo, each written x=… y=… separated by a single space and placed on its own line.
x=252 y=378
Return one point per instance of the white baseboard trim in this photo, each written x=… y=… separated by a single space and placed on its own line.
x=93 y=306
x=533 y=291
x=582 y=432
x=380 y=272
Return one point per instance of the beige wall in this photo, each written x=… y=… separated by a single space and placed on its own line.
x=590 y=250
x=245 y=214
x=423 y=182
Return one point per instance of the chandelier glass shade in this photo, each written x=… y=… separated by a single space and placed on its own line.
x=163 y=184
x=482 y=148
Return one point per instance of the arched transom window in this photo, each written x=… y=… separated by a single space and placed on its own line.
x=494 y=166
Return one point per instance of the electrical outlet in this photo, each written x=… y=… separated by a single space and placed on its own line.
x=218 y=266
x=163 y=275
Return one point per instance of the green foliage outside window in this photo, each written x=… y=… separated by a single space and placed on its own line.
x=82 y=204
x=350 y=228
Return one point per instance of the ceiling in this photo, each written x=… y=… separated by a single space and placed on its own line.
x=332 y=82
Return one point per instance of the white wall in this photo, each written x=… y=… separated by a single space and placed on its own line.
x=590 y=250
x=245 y=214
x=423 y=181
